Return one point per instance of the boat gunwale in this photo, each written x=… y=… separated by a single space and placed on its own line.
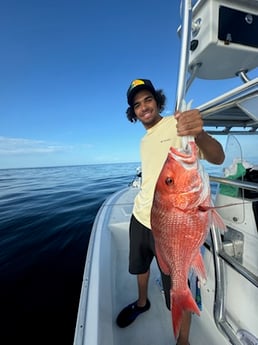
x=102 y=216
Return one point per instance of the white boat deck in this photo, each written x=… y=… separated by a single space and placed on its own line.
x=114 y=287
x=108 y=287
x=149 y=328
x=155 y=326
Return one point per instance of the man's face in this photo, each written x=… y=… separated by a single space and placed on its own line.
x=146 y=109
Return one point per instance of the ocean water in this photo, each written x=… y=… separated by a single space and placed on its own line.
x=46 y=216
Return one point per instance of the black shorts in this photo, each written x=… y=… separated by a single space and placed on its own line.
x=142 y=251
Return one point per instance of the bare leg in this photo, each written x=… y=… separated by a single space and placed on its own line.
x=142 y=280
x=185 y=329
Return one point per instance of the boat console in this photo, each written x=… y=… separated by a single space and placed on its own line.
x=224 y=38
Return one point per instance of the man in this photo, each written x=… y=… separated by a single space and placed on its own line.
x=145 y=105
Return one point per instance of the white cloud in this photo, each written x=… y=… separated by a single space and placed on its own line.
x=13 y=146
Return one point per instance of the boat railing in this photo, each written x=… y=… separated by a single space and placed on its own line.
x=235 y=183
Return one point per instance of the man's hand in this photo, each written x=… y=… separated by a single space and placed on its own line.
x=189 y=123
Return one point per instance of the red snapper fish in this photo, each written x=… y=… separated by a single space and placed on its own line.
x=181 y=216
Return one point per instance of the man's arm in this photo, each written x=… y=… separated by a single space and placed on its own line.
x=211 y=149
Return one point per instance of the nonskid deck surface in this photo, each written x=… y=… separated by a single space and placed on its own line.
x=153 y=327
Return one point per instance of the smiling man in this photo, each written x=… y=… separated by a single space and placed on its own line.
x=145 y=105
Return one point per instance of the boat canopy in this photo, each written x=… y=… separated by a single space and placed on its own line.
x=235 y=111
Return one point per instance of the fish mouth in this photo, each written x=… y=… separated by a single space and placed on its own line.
x=188 y=155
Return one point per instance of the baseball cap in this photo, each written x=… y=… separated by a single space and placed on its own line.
x=138 y=85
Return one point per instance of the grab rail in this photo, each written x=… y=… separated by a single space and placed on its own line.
x=252 y=278
x=236 y=183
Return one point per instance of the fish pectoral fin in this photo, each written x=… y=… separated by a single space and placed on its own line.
x=181 y=301
x=218 y=221
x=198 y=266
x=162 y=264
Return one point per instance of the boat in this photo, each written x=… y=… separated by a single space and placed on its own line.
x=228 y=299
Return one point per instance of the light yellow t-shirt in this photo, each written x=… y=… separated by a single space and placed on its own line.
x=154 y=150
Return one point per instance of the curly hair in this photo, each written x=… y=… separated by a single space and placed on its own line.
x=160 y=99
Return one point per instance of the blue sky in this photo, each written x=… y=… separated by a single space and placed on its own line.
x=65 y=67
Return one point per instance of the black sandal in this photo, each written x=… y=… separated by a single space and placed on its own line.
x=130 y=313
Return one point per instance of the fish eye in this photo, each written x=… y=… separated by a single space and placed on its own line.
x=169 y=181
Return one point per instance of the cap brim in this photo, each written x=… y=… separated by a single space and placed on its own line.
x=137 y=89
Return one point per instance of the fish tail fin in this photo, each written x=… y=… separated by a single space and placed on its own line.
x=181 y=301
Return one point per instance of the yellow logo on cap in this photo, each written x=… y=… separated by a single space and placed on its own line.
x=136 y=82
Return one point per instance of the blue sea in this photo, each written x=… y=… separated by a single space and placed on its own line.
x=46 y=216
